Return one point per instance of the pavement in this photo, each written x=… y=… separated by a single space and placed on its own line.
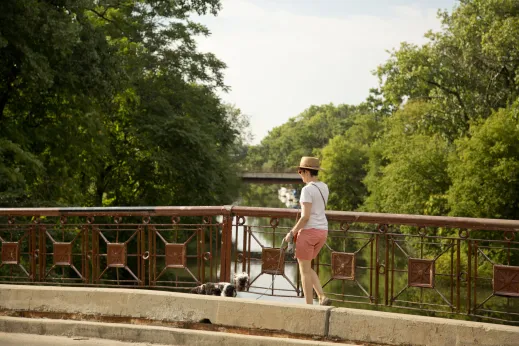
x=12 y=339
x=259 y=295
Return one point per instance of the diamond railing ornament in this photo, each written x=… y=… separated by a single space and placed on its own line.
x=272 y=261
x=10 y=253
x=506 y=281
x=175 y=255
x=420 y=273
x=62 y=254
x=116 y=255
x=343 y=266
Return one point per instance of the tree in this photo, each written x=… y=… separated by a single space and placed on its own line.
x=303 y=135
x=409 y=166
x=240 y=123
x=344 y=160
x=109 y=102
x=55 y=67
x=173 y=147
x=485 y=168
x=465 y=71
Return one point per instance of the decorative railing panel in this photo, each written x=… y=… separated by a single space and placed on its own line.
x=434 y=265
x=183 y=252
x=18 y=250
x=62 y=251
x=257 y=238
x=348 y=262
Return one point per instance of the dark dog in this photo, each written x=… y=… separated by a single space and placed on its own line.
x=224 y=289
x=241 y=281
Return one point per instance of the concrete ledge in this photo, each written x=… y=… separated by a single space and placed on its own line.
x=401 y=329
x=353 y=325
x=167 y=306
x=148 y=334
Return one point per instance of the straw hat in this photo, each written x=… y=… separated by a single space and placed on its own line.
x=310 y=163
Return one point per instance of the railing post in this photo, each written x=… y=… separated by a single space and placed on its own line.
x=32 y=251
x=42 y=254
x=225 y=260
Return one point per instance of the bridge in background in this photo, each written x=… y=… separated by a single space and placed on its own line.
x=271 y=178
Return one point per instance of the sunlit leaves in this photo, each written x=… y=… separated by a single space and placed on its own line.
x=345 y=160
x=485 y=169
x=465 y=71
x=111 y=103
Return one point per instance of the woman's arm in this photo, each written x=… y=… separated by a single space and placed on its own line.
x=305 y=215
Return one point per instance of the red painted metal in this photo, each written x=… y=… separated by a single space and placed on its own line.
x=343 y=266
x=437 y=264
x=420 y=273
x=10 y=253
x=506 y=281
x=273 y=262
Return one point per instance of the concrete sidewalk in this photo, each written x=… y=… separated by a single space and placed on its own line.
x=145 y=335
x=11 y=339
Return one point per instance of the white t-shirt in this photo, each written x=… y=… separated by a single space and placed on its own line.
x=311 y=194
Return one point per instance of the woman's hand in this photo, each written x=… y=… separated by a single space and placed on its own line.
x=288 y=236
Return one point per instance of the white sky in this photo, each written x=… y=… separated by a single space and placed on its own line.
x=283 y=56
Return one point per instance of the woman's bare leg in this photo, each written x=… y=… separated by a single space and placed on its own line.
x=310 y=281
x=316 y=283
x=305 y=267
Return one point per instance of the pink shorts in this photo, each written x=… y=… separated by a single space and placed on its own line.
x=309 y=242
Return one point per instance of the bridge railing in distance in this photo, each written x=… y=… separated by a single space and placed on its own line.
x=461 y=267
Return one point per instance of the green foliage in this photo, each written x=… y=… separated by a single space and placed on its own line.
x=465 y=71
x=110 y=103
x=259 y=195
x=451 y=84
x=13 y=163
x=485 y=168
x=421 y=143
x=240 y=123
x=344 y=160
x=340 y=135
x=303 y=135
x=409 y=168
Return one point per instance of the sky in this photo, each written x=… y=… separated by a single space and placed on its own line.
x=283 y=56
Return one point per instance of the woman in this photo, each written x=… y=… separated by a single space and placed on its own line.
x=312 y=227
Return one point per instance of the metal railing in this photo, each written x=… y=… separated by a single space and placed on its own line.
x=432 y=265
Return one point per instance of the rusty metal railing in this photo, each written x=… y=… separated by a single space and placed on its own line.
x=433 y=265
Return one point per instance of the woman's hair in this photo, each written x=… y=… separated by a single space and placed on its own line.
x=313 y=172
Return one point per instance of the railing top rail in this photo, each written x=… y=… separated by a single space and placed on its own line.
x=119 y=211
x=346 y=216
x=382 y=218
x=426 y=220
